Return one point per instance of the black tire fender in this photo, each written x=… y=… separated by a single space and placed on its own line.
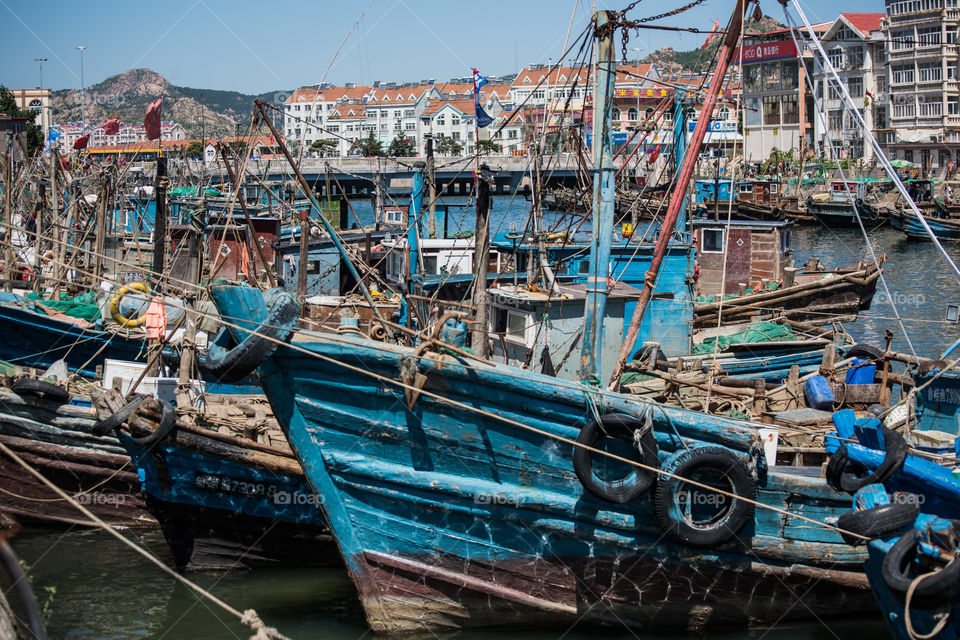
x=862 y=350
x=168 y=420
x=941 y=588
x=41 y=388
x=844 y=475
x=877 y=521
x=113 y=422
x=621 y=427
x=233 y=363
x=685 y=464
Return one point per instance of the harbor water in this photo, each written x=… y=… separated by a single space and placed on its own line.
x=93 y=587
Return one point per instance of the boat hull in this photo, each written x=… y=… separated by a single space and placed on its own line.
x=57 y=441
x=224 y=505
x=449 y=518
x=942 y=229
x=838 y=215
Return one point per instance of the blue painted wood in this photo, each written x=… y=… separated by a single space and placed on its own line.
x=892 y=607
x=32 y=339
x=450 y=518
x=942 y=229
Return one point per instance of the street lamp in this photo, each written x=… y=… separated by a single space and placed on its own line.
x=41 y=61
x=637 y=51
x=83 y=105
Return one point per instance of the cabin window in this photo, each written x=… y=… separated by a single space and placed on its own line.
x=393 y=216
x=746 y=188
x=712 y=240
x=518 y=326
x=430 y=264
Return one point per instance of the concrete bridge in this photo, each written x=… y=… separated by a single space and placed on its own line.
x=358 y=176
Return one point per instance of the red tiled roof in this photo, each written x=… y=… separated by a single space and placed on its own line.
x=463 y=106
x=864 y=22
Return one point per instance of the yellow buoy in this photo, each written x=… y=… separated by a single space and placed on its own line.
x=118 y=317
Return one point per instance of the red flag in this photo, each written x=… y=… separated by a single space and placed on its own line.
x=654 y=155
x=716 y=25
x=81 y=143
x=111 y=127
x=151 y=121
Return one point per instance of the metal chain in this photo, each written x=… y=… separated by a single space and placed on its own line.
x=621 y=21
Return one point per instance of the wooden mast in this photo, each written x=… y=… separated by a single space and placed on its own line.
x=679 y=191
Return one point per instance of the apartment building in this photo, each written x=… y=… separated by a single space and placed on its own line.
x=924 y=88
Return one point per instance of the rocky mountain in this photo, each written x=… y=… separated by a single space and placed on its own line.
x=211 y=112
x=669 y=60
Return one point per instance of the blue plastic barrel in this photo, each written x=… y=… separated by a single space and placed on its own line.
x=861 y=372
x=818 y=393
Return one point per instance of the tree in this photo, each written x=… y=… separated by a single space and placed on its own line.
x=368 y=146
x=323 y=147
x=34 y=133
x=402 y=147
x=487 y=146
x=194 y=150
x=448 y=146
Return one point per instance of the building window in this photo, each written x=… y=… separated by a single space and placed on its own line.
x=455 y=121
x=410 y=126
x=771 y=76
x=791 y=74
x=903 y=74
x=901 y=39
x=929 y=72
x=931 y=107
x=615 y=114
x=835 y=120
x=855 y=57
x=771 y=110
x=441 y=121
x=836 y=57
x=751 y=78
x=855 y=87
x=881 y=83
x=712 y=240
x=928 y=37
x=456 y=136
x=904 y=109
x=791 y=110
x=632 y=114
x=953 y=106
x=396 y=113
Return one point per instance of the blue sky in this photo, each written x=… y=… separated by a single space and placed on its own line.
x=240 y=45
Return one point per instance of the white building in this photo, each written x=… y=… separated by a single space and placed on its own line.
x=854 y=43
x=924 y=95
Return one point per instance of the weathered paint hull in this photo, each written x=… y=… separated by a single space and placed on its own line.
x=449 y=519
x=56 y=440
x=32 y=339
x=840 y=215
x=924 y=620
x=943 y=229
x=219 y=514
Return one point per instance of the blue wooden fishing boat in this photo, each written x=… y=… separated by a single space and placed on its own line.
x=464 y=493
x=943 y=228
x=225 y=502
x=906 y=509
x=33 y=339
x=835 y=209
